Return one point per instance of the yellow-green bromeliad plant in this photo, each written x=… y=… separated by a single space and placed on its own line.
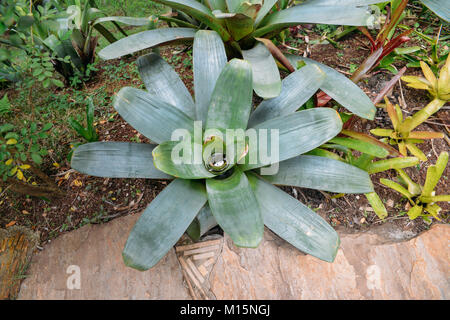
x=228 y=189
x=422 y=199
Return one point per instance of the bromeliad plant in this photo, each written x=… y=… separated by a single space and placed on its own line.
x=245 y=26
x=422 y=198
x=439 y=88
x=240 y=200
x=370 y=149
x=402 y=134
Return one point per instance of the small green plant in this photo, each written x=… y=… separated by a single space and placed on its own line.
x=438 y=88
x=41 y=68
x=89 y=132
x=422 y=199
x=223 y=185
x=5 y=105
x=21 y=153
x=402 y=134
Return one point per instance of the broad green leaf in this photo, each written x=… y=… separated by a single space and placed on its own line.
x=186 y=166
x=250 y=8
x=420 y=116
x=203 y=222
x=155 y=119
x=131 y=21
x=345 y=2
x=294 y=222
x=434 y=210
x=377 y=204
x=163 y=82
x=425 y=135
x=414 y=212
x=406 y=50
x=233 y=5
x=297 y=133
x=116 y=160
x=267 y=5
x=163 y=223
x=200 y=12
x=396 y=187
x=238 y=24
x=324 y=153
x=361 y=146
x=231 y=100
x=434 y=173
x=296 y=89
x=322 y=174
x=144 y=40
x=382 y=132
x=266 y=77
x=393 y=163
x=341 y=89
x=441 y=163
x=309 y=13
x=209 y=60
x=413 y=187
x=235 y=208
x=416 y=151
x=392 y=113
x=440 y=198
x=217 y=5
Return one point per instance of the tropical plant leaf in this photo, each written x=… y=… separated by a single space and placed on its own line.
x=361 y=146
x=440 y=7
x=322 y=174
x=266 y=77
x=163 y=82
x=394 y=163
x=203 y=222
x=200 y=12
x=209 y=60
x=415 y=212
x=294 y=222
x=296 y=89
x=420 y=116
x=127 y=160
x=341 y=89
x=396 y=187
x=217 y=5
x=238 y=24
x=235 y=208
x=297 y=133
x=144 y=40
x=155 y=119
x=377 y=204
x=308 y=12
x=186 y=167
x=131 y=21
x=163 y=223
x=231 y=100
x=416 y=151
x=265 y=9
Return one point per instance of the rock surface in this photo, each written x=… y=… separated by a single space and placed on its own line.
x=371 y=265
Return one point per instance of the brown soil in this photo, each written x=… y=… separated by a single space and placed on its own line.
x=97 y=200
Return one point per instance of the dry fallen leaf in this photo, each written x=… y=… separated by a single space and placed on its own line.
x=11 y=224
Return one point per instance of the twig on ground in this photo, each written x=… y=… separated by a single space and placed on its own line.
x=389 y=86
